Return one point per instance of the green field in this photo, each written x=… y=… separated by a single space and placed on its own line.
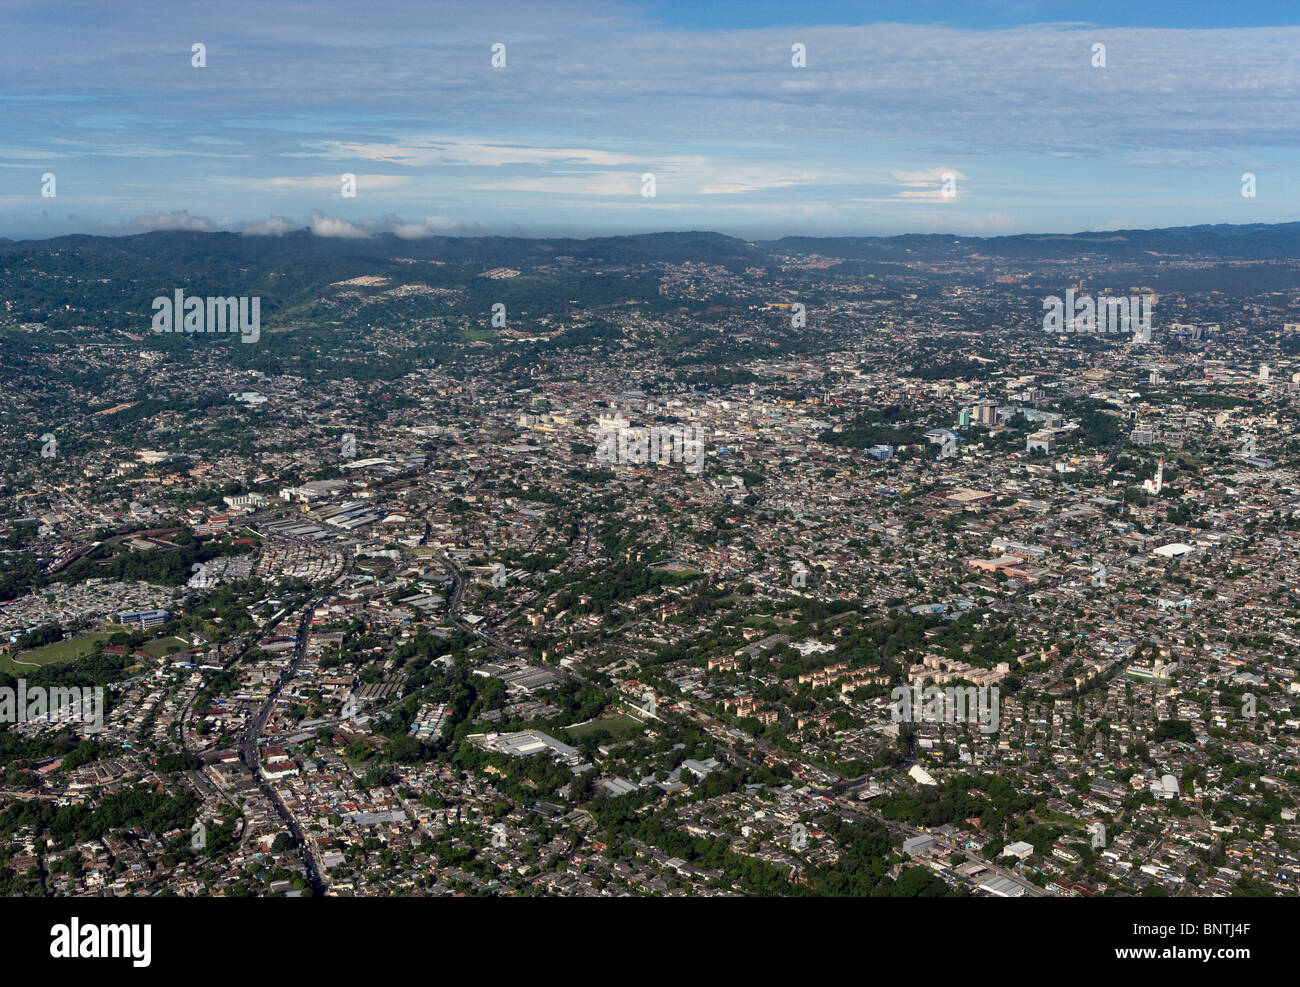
x=164 y=646
x=51 y=654
x=619 y=727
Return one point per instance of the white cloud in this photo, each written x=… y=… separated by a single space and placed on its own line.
x=327 y=183
x=322 y=225
x=927 y=176
x=444 y=150
x=441 y=224
x=412 y=231
x=328 y=226
x=604 y=183
x=179 y=219
x=26 y=154
x=680 y=175
x=274 y=226
x=589 y=103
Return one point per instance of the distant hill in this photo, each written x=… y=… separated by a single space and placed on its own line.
x=183 y=250
x=109 y=282
x=1257 y=241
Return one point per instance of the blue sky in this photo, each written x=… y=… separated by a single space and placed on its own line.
x=1003 y=97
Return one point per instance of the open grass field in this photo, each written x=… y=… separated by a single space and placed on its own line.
x=619 y=727
x=51 y=654
x=164 y=646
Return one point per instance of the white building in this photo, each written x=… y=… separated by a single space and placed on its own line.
x=1158 y=484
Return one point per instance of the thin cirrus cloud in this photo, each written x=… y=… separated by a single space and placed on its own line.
x=738 y=138
x=429 y=151
x=929 y=185
x=327 y=183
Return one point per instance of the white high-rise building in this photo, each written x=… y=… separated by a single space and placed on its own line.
x=1156 y=485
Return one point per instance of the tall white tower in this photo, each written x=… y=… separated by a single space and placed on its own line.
x=1156 y=485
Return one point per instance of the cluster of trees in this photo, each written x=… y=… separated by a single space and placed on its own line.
x=94 y=669
x=867 y=430
x=178 y=761
x=990 y=798
x=19 y=756
x=865 y=848
x=617 y=585
x=23 y=572
x=160 y=567
x=137 y=807
x=41 y=636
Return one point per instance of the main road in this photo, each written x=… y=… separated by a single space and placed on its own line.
x=453 y=608
x=248 y=752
